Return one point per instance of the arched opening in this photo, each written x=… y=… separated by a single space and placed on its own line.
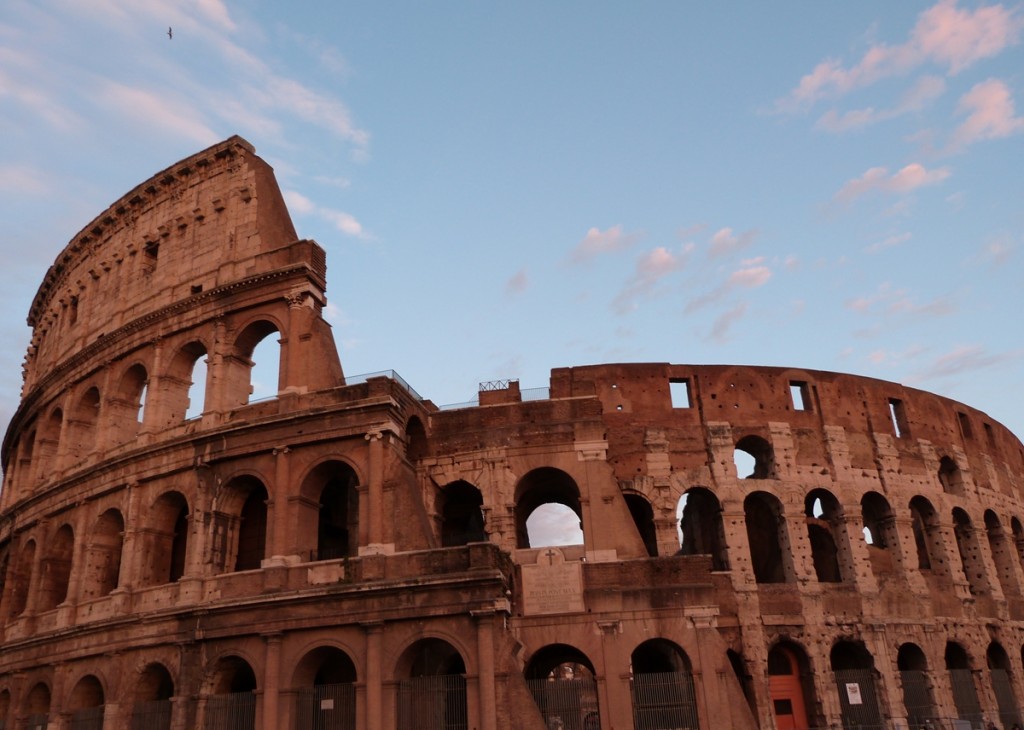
x=231 y=704
x=927 y=535
x=754 y=458
x=37 y=708
x=255 y=368
x=103 y=555
x=1018 y=540
x=415 y=439
x=22 y=465
x=950 y=477
x=553 y=495
x=127 y=405
x=961 y=679
x=917 y=690
x=5 y=709
x=1003 y=555
x=643 y=517
x=462 y=517
x=827 y=534
x=854 y=670
x=49 y=440
x=151 y=709
x=770 y=557
x=325 y=690
x=81 y=429
x=662 y=686
x=563 y=683
x=86 y=704
x=252 y=528
x=970 y=552
x=56 y=569
x=1002 y=684
x=701 y=530
x=432 y=686
x=21 y=579
x=187 y=391
x=338 y=515
x=790 y=686
x=167 y=540
x=880 y=535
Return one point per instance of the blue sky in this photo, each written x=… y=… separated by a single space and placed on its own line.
x=506 y=188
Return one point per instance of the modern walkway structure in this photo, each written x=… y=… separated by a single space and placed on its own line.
x=348 y=555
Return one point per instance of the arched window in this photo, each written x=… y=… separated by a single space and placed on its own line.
x=961 y=679
x=151 y=709
x=21 y=579
x=853 y=667
x=880 y=535
x=548 y=510
x=827 y=535
x=770 y=557
x=416 y=440
x=1003 y=554
x=1002 y=684
x=183 y=386
x=927 y=537
x=48 y=447
x=662 y=686
x=432 y=686
x=643 y=517
x=239 y=525
x=168 y=539
x=950 y=477
x=82 y=425
x=325 y=690
x=791 y=686
x=254 y=368
x=56 y=569
x=231 y=702
x=462 y=517
x=754 y=458
x=337 y=528
x=252 y=529
x=103 y=556
x=86 y=704
x=917 y=686
x=701 y=531
x=970 y=552
x=36 y=709
x=563 y=683
x=127 y=405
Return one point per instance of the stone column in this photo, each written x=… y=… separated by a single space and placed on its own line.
x=375 y=490
x=272 y=681
x=279 y=545
x=485 y=669
x=613 y=692
x=374 y=681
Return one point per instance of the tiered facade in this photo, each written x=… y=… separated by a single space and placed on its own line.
x=346 y=554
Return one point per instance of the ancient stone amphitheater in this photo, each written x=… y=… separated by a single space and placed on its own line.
x=348 y=555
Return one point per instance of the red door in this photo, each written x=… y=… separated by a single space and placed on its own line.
x=787 y=693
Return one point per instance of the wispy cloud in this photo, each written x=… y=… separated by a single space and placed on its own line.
x=966 y=359
x=892 y=241
x=344 y=222
x=517 y=283
x=173 y=115
x=598 y=242
x=926 y=90
x=752 y=275
x=887 y=300
x=22 y=180
x=944 y=35
x=903 y=181
x=725 y=241
x=990 y=114
x=650 y=268
x=723 y=323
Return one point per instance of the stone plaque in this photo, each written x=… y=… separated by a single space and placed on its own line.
x=552 y=585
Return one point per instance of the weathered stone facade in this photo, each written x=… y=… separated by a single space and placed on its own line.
x=349 y=555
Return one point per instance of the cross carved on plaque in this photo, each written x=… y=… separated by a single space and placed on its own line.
x=550 y=556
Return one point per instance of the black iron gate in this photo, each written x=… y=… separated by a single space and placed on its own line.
x=664 y=701
x=235 y=711
x=567 y=704
x=435 y=702
x=326 y=707
x=858 y=698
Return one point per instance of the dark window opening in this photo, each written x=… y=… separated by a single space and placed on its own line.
x=965 y=425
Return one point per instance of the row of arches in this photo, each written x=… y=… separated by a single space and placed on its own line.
x=113 y=408
x=928 y=696
x=159 y=548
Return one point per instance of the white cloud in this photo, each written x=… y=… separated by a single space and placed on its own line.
x=22 y=180
x=650 y=269
x=517 y=283
x=173 y=115
x=966 y=359
x=297 y=202
x=344 y=222
x=724 y=322
x=944 y=35
x=990 y=114
x=902 y=181
x=926 y=90
x=598 y=242
x=889 y=242
x=724 y=241
x=889 y=301
x=750 y=278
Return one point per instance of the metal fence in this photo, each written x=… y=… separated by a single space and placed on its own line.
x=567 y=704
x=857 y=698
x=236 y=711
x=917 y=697
x=90 y=718
x=664 y=701
x=432 y=703
x=326 y=707
x=965 y=697
x=153 y=715
x=36 y=722
x=1008 y=712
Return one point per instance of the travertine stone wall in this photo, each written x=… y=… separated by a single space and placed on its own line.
x=174 y=555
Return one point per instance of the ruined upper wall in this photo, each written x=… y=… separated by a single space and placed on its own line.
x=201 y=223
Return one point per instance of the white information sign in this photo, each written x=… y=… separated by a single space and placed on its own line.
x=853 y=693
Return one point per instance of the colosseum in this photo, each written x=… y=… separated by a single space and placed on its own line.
x=346 y=554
